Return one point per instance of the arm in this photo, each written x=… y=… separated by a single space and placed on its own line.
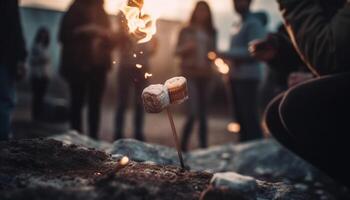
x=312 y=34
x=254 y=30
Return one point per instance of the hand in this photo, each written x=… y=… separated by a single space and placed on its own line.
x=21 y=71
x=262 y=50
x=298 y=78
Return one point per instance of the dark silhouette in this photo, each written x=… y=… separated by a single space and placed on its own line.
x=86 y=58
x=12 y=57
x=134 y=63
x=311 y=119
x=195 y=42
x=282 y=60
x=40 y=65
x=246 y=72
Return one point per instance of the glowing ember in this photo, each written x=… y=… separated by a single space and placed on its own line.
x=222 y=67
x=141 y=52
x=124 y=161
x=114 y=62
x=139 y=66
x=212 y=56
x=140 y=22
x=135 y=55
x=233 y=127
x=148 y=75
x=97 y=174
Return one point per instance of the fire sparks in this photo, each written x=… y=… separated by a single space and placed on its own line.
x=233 y=127
x=222 y=67
x=220 y=64
x=124 y=161
x=212 y=55
x=140 y=22
x=148 y=75
x=138 y=66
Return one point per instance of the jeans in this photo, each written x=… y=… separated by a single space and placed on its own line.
x=312 y=121
x=197 y=102
x=7 y=101
x=87 y=88
x=39 y=88
x=245 y=104
x=128 y=80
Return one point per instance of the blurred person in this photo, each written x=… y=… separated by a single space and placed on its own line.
x=246 y=73
x=277 y=51
x=311 y=119
x=12 y=61
x=40 y=62
x=134 y=63
x=85 y=35
x=194 y=43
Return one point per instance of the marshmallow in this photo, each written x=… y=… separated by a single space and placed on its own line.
x=177 y=89
x=155 y=98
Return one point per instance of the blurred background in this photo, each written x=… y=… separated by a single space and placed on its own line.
x=173 y=15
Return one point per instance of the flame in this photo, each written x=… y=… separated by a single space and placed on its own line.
x=233 y=127
x=222 y=67
x=141 y=22
x=139 y=66
x=148 y=75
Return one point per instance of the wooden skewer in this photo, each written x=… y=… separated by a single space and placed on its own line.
x=175 y=137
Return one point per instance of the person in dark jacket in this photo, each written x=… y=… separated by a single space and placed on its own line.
x=277 y=51
x=194 y=43
x=86 y=58
x=12 y=58
x=311 y=119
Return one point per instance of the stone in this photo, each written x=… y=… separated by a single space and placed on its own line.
x=235 y=182
x=73 y=137
x=141 y=152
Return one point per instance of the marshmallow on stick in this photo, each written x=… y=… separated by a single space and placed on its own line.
x=159 y=97
x=177 y=89
x=155 y=98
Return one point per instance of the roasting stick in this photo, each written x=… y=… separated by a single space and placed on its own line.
x=176 y=138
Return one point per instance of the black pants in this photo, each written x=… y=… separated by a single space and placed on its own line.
x=87 y=88
x=312 y=120
x=39 y=88
x=245 y=104
x=130 y=79
x=198 y=93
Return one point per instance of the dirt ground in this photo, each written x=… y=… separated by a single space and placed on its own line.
x=46 y=169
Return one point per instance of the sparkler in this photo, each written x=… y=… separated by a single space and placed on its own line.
x=224 y=69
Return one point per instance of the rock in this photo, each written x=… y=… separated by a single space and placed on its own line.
x=73 y=137
x=215 y=159
x=140 y=152
x=234 y=181
x=264 y=158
